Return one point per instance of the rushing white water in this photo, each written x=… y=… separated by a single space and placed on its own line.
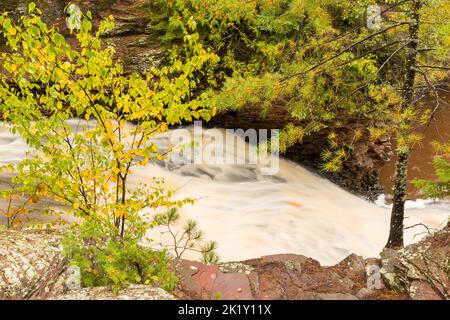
x=251 y=215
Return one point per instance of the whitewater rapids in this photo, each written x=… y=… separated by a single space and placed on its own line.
x=252 y=215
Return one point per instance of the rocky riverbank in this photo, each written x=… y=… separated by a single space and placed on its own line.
x=32 y=267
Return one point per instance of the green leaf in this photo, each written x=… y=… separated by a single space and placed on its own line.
x=31 y=7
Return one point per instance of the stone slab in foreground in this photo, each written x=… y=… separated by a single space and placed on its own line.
x=31 y=264
x=133 y=292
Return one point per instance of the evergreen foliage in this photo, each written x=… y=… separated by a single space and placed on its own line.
x=318 y=58
x=439 y=188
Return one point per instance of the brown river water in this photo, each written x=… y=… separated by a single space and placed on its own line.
x=420 y=165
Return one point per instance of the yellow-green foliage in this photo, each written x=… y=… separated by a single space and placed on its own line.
x=17 y=211
x=105 y=261
x=249 y=36
x=42 y=73
x=44 y=82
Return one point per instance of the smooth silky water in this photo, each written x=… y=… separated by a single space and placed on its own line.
x=251 y=215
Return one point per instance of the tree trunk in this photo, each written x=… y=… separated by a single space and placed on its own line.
x=396 y=230
x=401 y=169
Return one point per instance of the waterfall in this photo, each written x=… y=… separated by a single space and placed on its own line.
x=250 y=214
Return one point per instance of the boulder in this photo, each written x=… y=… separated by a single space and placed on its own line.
x=199 y=281
x=422 y=269
x=281 y=277
x=31 y=265
x=132 y=292
x=295 y=277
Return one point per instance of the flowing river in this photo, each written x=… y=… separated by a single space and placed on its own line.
x=420 y=160
x=251 y=215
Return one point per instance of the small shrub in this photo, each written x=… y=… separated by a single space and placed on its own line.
x=18 y=206
x=111 y=260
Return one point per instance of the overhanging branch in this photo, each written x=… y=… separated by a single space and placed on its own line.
x=370 y=36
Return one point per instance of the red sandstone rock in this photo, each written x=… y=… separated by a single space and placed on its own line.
x=421 y=290
x=232 y=286
x=419 y=271
x=205 y=277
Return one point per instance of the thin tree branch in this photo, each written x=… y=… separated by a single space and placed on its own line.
x=435 y=67
x=343 y=51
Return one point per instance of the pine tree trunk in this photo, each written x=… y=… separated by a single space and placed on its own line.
x=398 y=209
x=401 y=168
